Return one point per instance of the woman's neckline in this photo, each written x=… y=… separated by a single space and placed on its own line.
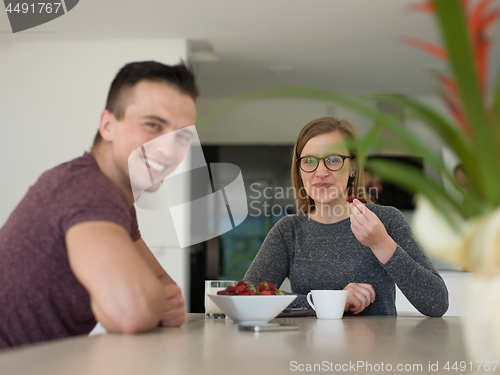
x=306 y=217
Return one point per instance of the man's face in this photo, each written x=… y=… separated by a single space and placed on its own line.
x=141 y=140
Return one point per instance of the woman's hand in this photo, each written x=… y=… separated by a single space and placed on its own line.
x=359 y=297
x=370 y=231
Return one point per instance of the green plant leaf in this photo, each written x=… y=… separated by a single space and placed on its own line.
x=496 y=101
x=361 y=107
x=370 y=139
x=452 y=22
x=446 y=129
x=284 y=92
x=413 y=180
x=433 y=119
x=414 y=143
x=356 y=105
x=495 y=114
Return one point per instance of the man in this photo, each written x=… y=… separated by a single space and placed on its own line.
x=71 y=252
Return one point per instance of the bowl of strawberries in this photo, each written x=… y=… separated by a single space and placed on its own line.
x=247 y=303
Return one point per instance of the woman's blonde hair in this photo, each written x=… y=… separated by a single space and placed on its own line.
x=314 y=128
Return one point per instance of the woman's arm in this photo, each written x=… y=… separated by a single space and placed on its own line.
x=272 y=262
x=424 y=288
x=408 y=264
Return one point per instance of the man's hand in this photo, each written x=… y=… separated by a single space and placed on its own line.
x=359 y=297
x=174 y=310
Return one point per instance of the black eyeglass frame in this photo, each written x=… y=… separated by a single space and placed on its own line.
x=343 y=157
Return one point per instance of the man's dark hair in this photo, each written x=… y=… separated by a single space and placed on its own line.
x=179 y=76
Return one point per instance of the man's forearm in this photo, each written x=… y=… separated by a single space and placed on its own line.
x=166 y=279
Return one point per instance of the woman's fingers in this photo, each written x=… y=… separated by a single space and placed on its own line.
x=359 y=296
x=359 y=211
x=366 y=226
x=367 y=290
x=356 y=212
x=363 y=299
x=358 y=208
x=360 y=215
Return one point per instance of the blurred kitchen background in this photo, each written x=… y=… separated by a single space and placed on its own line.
x=54 y=80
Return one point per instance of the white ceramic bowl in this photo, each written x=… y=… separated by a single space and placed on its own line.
x=252 y=309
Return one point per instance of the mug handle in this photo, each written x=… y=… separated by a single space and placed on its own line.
x=309 y=300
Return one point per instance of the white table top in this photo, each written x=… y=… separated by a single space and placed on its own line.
x=203 y=346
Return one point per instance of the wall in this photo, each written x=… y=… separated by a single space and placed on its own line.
x=51 y=95
x=269 y=121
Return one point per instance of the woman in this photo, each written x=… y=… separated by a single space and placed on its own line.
x=332 y=244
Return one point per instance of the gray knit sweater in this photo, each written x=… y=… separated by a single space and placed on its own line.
x=328 y=256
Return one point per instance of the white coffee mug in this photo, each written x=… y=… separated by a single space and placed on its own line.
x=328 y=304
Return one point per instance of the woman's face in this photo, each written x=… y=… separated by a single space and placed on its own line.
x=323 y=185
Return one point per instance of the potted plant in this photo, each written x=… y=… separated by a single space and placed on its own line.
x=463 y=230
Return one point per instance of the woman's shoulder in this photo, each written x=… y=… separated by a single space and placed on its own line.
x=383 y=209
x=286 y=228
x=290 y=225
x=291 y=220
x=386 y=213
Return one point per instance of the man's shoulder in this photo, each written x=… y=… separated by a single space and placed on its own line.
x=80 y=166
x=80 y=173
x=77 y=191
x=78 y=179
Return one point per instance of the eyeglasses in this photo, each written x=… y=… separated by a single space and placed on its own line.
x=332 y=162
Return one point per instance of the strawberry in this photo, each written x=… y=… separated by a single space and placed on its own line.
x=351 y=198
x=252 y=289
x=262 y=286
x=244 y=288
x=241 y=289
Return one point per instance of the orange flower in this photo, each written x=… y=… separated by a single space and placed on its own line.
x=480 y=19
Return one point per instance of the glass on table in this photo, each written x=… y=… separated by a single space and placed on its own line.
x=212 y=311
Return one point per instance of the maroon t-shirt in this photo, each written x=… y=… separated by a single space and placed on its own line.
x=40 y=298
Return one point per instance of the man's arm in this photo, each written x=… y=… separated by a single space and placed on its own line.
x=174 y=310
x=152 y=262
x=126 y=295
